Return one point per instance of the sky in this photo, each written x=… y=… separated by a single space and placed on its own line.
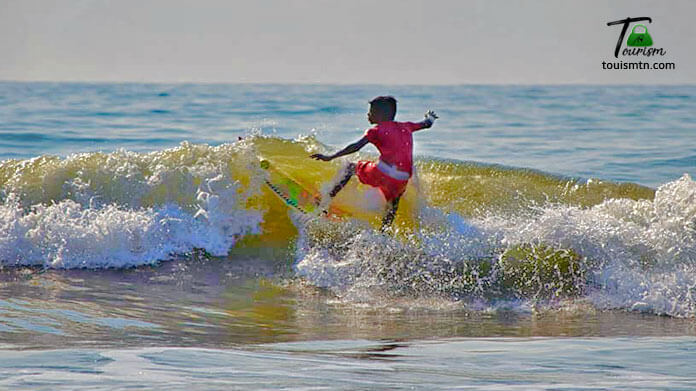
x=338 y=42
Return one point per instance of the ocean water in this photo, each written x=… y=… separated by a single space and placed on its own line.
x=547 y=241
x=631 y=134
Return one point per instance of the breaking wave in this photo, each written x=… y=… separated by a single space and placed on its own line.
x=467 y=232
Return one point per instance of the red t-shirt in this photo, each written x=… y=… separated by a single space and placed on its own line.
x=395 y=143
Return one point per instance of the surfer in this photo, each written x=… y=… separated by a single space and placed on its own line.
x=395 y=144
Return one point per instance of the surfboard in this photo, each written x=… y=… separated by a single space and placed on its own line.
x=296 y=196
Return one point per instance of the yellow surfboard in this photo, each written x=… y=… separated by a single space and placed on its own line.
x=298 y=197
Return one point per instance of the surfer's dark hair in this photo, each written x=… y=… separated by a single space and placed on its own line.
x=384 y=107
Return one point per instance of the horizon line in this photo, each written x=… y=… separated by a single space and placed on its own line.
x=338 y=84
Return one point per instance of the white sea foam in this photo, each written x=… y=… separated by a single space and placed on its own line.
x=640 y=255
x=126 y=209
x=363 y=265
x=644 y=251
x=68 y=235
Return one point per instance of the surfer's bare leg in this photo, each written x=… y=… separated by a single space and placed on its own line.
x=350 y=171
x=392 y=207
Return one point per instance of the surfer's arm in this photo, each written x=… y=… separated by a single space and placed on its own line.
x=352 y=148
x=429 y=120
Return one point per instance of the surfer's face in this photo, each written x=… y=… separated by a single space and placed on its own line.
x=371 y=117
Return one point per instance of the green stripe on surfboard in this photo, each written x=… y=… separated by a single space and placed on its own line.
x=290 y=192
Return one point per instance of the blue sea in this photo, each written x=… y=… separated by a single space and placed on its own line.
x=622 y=133
x=547 y=241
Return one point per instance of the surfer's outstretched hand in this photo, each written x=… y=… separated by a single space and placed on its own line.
x=319 y=156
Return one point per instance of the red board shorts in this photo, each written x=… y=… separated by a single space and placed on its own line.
x=369 y=174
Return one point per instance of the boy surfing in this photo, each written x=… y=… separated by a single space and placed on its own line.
x=394 y=140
